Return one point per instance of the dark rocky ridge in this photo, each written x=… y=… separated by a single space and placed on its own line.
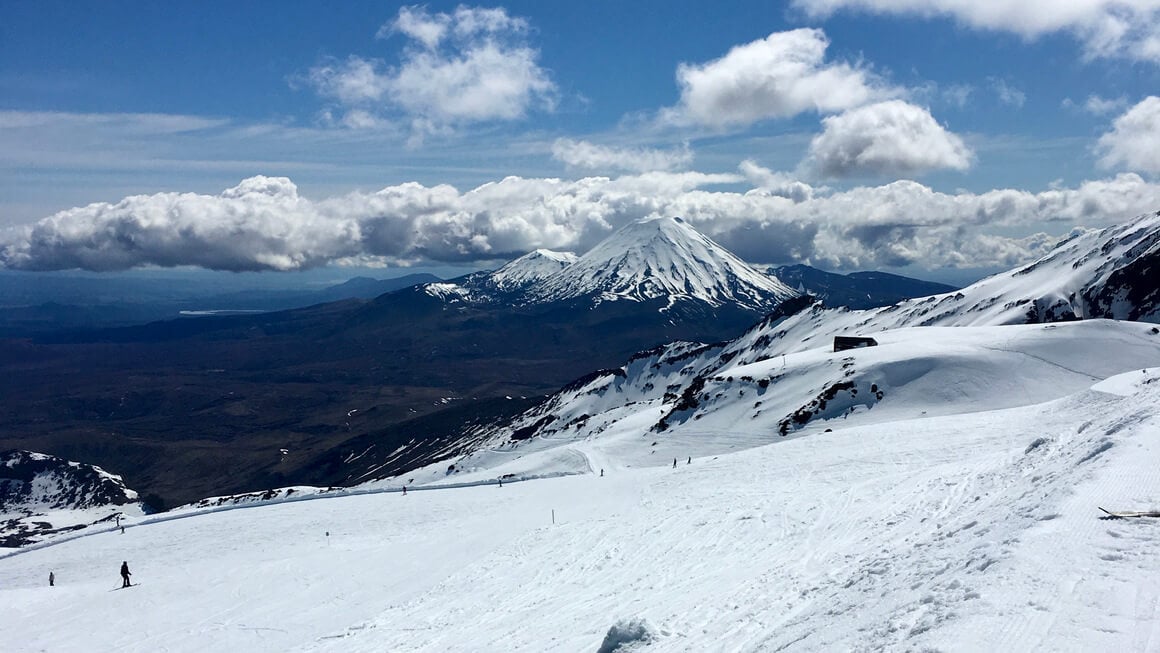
x=32 y=484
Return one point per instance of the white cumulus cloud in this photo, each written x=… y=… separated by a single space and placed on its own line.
x=1127 y=29
x=1134 y=141
x=779 y=76
x=469 y=66
x=887 y=138
x=264 y=224
x=778 y=184
x=591 y=156
x=260 y=224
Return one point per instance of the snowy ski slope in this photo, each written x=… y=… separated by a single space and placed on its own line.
x=923 y=526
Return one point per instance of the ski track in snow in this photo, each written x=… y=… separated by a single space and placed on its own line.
x=944 y=533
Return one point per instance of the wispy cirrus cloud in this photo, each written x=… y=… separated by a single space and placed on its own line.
x=1008 y=93
x=1096 y=105
x=591 y=156
x=130 y=123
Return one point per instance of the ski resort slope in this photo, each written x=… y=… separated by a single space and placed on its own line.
x=739 y=397
x=970 y=532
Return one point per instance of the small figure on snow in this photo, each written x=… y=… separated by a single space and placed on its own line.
x=122 y=530
x=674 y=463
x=404 y=490
x=501 y=482
x=690 y=461
x=125 y=574
x=602 y=471
x=51 y=579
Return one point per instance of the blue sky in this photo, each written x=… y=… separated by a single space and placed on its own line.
x=849 y=134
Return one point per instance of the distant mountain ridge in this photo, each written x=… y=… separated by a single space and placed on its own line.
x=856 y=290
x=79 y=303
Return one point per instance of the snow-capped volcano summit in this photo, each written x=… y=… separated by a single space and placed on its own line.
x=662 y=257
x=531 y=268
x=654 y=259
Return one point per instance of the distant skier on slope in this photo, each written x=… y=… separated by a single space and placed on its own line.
x=404 y=490
x=674 y=463
x=125 y=574
x=51 y=579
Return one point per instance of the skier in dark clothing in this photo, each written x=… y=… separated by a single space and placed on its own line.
x=674 y=463
x=125 y=574
x=51 y=579
x=690 y=461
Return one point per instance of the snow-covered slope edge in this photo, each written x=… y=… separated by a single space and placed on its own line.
x=695 y=400
x=43 y=496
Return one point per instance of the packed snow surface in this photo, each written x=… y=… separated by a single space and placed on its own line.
x=941 y=528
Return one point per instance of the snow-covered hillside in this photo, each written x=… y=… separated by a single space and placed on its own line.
x=1110 y=273
x=42 y=496
x=693 y=398
x=972 y=532
x=651 y=259
x=748 y=383
x=662 y=257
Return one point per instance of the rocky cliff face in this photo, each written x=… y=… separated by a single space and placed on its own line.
x=36 y=481
x=42 y=495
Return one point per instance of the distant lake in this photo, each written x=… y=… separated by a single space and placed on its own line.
x=223 y=311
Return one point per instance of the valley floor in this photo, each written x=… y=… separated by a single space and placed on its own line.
x=974 y=532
